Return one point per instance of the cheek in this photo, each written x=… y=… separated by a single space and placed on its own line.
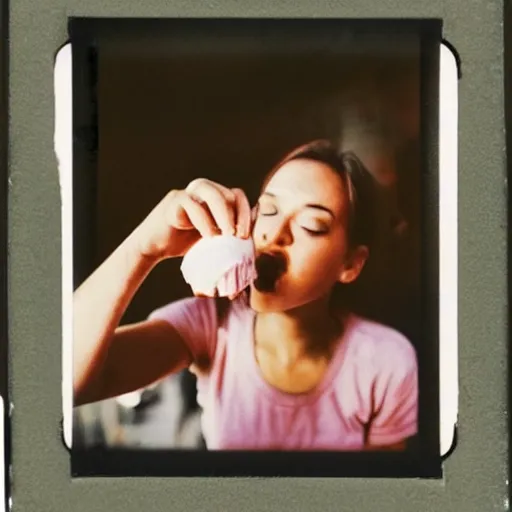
x=316 y=261
x=258 y=229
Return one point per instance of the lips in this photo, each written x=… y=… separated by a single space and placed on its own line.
x=269 y=268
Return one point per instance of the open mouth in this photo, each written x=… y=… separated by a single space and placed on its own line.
x=269 y=268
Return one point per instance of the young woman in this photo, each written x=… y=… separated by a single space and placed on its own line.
x=286 y=366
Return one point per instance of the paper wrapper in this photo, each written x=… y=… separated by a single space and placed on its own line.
x=220 y=266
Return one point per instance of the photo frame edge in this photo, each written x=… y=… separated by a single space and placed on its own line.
x=115 y=486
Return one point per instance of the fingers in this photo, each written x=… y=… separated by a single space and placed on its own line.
x=243 y=209
x=238 y=200
x=219 y=200
x=197 y=215
x=210 y=208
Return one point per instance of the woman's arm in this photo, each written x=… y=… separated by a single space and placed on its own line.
x=109 y=360
x=137 y=356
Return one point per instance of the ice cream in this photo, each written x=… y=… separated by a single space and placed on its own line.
x=220 y=266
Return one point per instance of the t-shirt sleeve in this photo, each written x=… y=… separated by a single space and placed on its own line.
x=195 y=320
x=395 y=416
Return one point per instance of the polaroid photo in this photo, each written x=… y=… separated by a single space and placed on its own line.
x=259 y=247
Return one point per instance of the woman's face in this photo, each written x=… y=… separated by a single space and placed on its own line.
x=302 y=217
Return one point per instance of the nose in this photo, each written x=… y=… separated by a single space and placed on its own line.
x=279 y=234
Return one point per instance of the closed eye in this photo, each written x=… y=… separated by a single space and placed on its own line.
x=267 y=210
x=315 y=232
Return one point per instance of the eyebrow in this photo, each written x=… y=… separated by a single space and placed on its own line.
x=309 y=205
x=322 y=208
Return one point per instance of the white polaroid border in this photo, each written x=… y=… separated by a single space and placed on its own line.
x=448 y=247
x=63 y=144
x=448 y=201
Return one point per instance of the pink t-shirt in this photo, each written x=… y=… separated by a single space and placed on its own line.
x=369 y=394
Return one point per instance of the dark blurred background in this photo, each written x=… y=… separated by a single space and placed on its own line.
x=166 y=117
x=165 y=121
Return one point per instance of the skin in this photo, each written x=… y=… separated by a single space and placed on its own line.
x=302 y=213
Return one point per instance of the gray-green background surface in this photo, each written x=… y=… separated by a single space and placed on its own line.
x=475 y=475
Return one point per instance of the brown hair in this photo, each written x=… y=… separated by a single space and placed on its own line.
x=362 y=193
x=360 y=185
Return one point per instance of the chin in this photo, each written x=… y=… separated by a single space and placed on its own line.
x=272 y=302
x=279 y=301
x=265 y=302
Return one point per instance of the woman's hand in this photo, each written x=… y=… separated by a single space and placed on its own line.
x=203 y=209
x=104 y=367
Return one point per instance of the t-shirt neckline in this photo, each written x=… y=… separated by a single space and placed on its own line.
x=280 y=397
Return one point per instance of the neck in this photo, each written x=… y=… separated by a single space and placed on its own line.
x=306 y=331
